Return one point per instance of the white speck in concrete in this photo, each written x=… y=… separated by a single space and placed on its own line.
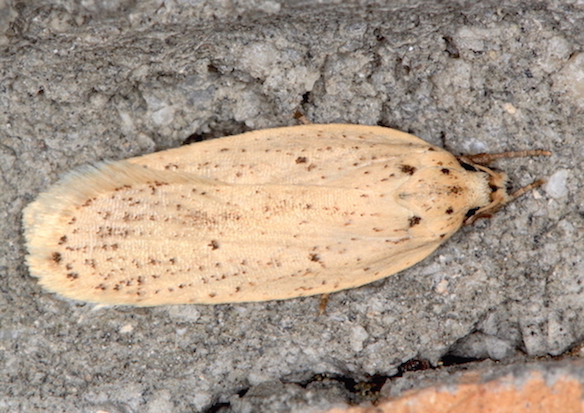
x=556 y=186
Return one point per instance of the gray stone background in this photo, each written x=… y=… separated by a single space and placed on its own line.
x=82 y=81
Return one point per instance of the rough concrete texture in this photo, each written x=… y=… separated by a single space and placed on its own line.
x=92 y=80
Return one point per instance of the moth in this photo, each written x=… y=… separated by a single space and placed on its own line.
x=266 y=215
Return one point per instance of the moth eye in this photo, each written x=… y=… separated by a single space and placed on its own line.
x=494 y=188
x=468 y=167
x=471 y=212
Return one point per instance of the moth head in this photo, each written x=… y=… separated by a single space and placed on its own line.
x=499 y=195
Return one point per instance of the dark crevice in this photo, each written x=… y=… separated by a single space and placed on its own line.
x=357 y=390
x=413 y=365
x=216 y=408
x=453 y=360
x=219 y=130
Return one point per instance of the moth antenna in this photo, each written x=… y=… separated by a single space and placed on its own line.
x=525 y=189
x=487 y=158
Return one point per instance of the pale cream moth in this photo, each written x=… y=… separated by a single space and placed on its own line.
x=266 y=215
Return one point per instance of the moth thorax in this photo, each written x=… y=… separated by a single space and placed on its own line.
x=478 y=190
x=435 y=195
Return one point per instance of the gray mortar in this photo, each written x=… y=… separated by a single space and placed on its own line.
x=114 y=79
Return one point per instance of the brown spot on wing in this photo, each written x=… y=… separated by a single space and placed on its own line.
x=408 y=169
x=56 y=257
x=415 y=220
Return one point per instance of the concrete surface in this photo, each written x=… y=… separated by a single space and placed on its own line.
x=92 y=80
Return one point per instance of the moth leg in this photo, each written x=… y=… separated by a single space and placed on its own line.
x=301 y=118
x=323 y=303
